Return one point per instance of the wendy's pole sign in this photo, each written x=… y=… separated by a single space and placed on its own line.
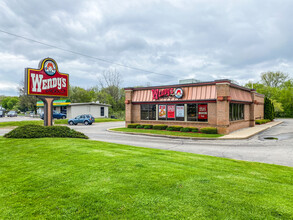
x=47 y=83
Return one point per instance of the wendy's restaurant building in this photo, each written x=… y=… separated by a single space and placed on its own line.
x=221 y=104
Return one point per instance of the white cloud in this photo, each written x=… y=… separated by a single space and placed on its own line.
x=204 y=39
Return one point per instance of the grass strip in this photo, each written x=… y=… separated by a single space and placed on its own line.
x=171 y=133
x=41 y=122
x=59 y=178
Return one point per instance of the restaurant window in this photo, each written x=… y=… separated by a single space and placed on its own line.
x=162 y=112
x=191 y=112
x=197 y=112
x=236 y=112
x=180 y=112
x=148 y=112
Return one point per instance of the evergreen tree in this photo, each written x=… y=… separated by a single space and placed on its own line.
x=269 y=110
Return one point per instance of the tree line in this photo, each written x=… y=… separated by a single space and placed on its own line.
x=108 y=91
x=278 y=87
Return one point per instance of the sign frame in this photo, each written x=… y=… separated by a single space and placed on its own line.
x=47 y=98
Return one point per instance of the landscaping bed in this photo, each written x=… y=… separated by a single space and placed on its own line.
x=262 y=121
x=207 y=132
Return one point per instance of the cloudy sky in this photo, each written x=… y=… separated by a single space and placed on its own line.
x=170 y=40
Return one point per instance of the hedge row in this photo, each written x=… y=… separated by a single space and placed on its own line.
x=262 y=121
x=207 y=130
x=38 y=131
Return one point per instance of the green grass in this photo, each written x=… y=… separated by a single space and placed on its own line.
x=56 y=121
x=84 y=179
x=19 y=123
x=172 y=133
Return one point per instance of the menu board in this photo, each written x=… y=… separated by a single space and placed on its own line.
x=180 y=111
x=171 y=111
x=162 y=111
x=203 y=111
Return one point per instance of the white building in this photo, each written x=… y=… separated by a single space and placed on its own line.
x=72 y=110
x=97 y=110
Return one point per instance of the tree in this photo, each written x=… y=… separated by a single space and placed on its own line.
x=80 y=95
x=26 y=103
x=111 y=91
x=278 y=87
x=269 y=110
x=273 y=79
x=9 y=103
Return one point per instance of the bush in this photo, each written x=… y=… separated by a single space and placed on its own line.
x=262 y=121
x=194 y=130
x=140 y=126
x=38 y=131
x=185 y=130
x=134 y=125
x=209 y=130
x=160 y=127
x=174 y=128
x=147 y=126
x=189 y=129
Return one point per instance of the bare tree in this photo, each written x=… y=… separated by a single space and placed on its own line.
x=110 y=81
x=110 y=78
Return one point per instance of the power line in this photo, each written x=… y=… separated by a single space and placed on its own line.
x=84 y=55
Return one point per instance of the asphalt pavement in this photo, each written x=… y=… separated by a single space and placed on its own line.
x=257 y=148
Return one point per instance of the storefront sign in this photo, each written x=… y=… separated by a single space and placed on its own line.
x=156 y=93
x=47 y=80
x=171 y=111
x=162 y=111
x=203 y=111
x=179 y=111
x=47 y=83
x=178 y=93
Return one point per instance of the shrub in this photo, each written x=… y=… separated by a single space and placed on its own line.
x=174 y=128
x=160 y=127
x=38 y=131
x=189 y=129
x=185 y=130
x=134 y=125
x=209 y=130
x=262 y=121
x=194 y=130
x=140 y=126
x=147 y=126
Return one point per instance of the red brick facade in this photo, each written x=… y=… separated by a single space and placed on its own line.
x=217 y=95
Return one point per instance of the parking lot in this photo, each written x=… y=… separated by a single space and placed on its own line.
x=18 y=118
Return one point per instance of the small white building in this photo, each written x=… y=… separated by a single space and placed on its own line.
x=97 y=110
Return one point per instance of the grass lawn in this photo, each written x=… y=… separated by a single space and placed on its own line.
x=172 y=133
x=77 y=179
x=56 y=121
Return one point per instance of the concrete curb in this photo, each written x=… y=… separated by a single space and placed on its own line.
x=271 y=124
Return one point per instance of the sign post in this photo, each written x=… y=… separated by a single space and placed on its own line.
x=48 y=84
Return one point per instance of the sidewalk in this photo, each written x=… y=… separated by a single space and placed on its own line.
x=248 y=132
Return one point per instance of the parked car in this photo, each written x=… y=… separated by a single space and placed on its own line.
x=56 y=114
x=2 y=113
x=85 y=119
x=12 y=114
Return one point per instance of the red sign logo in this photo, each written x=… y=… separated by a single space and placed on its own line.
x=47 y=80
